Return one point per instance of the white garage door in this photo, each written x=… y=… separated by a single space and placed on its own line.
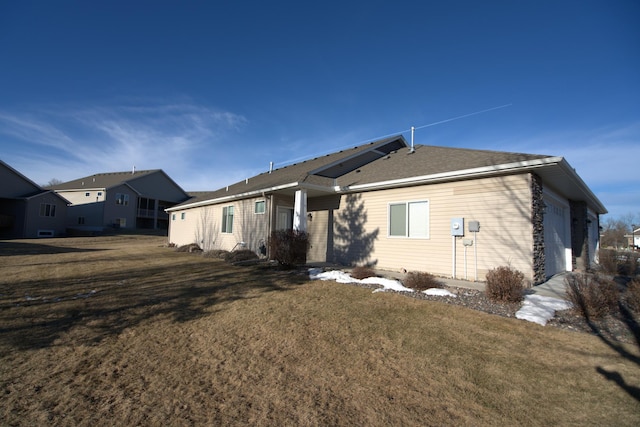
x=557 y=244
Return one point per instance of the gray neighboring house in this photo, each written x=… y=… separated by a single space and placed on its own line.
x=26 y=209
x=135 y=199
x=447 y=211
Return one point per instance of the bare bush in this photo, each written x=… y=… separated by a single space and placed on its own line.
x=289 y=247
x=633 y=295
x=505 y=284
x=216 y=253
x=608 y=259
x=192 y=247
x=421 y=281
x=591 y=295
x=362 y=272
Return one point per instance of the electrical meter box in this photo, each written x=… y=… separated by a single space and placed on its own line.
x=474 y=226
x=457 y=226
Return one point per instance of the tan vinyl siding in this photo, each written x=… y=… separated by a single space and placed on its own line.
x=203 y=225
x=502 y=205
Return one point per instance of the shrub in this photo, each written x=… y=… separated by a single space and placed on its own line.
x=633 y=295
x=289 y=247
x=192 y=247
x=591 y=295
x=505 y=284
x=608 y=260
x=421 y=281
x=240 y=256
x=362 y=272
x=216 y=253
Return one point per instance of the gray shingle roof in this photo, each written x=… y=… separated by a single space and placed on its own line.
x=102 y=180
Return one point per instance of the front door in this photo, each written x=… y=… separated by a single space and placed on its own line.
x=284 y=219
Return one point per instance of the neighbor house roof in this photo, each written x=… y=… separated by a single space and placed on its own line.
x=390 y=163
x=103 y=180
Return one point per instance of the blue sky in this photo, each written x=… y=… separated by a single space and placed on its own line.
x=211 y=92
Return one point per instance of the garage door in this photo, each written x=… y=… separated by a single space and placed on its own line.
x=557 y=245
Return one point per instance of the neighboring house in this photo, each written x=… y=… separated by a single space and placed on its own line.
x=136 y=199
x=26 y=209
x=448 y=211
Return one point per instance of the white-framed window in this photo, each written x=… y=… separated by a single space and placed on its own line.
x=99 y=193
x=183 y=215
x=173 y=217
x=409 y=219
x=122 y=199
x=47 y=209
x=259 y=207
x=87 y=194
x=227 y=219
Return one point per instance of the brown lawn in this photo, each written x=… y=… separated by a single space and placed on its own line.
x=120 y=330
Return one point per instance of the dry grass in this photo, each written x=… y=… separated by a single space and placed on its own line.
x=172 y=338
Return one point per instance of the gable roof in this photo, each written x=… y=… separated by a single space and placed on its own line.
x=28 y=187
x=102 y=180
x=389 y=163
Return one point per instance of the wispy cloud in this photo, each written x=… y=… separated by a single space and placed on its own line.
x=71 y=141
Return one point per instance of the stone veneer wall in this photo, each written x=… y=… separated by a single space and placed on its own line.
x=579 y=235
x=537 y=220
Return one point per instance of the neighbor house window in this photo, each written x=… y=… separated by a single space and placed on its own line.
x=227 y=219
x=99 y=193
x=122 y=199
x=173 y=217
x=182 y=215
x=87 y=194
x=409 y=219
x=47 y=209
x=259 y=207
x=80 y=220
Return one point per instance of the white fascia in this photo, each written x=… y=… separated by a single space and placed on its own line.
x=459 y=174
x=237 y=196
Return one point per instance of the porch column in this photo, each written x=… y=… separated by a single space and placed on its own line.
x=300 y=211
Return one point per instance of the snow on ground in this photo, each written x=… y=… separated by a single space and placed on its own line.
x=541 y=309
x=536 y=308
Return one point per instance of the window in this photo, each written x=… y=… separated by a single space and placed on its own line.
x=173 y=217
x=259 y=207
x=87 y=194
x=99 y=193
x=80 y=220
x=122 y=199
x=227 y=219
x=182 y=215
x=47 y=209
x=409 y=219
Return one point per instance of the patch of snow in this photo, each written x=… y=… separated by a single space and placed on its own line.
x=541 y=309
x=439 y=292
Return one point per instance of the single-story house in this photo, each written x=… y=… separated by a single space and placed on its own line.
x=135 y=199
x=447 y=211
x=26 y=209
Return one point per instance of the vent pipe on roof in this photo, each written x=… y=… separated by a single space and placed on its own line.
x=413 y=130
x=134 y=170
x=270 y=167
x=246 y=180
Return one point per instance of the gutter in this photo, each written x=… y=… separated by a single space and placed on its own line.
x=233 y=197
x=447 y=176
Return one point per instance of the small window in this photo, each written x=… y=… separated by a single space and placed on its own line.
x=409 y=219
x=173 y=217
x=182 y=215
x=80 y=220
x=99 y=193
x=122 y=199
x=87 y=194
x=227 y=219
x=259 y=209
x=47 y=209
